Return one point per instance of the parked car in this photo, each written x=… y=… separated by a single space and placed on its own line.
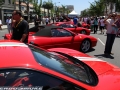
x=26 y=66
x=76 y=29
x=84 y=25
x=56 y=36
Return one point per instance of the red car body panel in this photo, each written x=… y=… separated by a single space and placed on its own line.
x=65 y=42
x=109 y=79
x=85 y=25
x=79 y=29
x=108 y=74
x=71 y=22
x=94 y=63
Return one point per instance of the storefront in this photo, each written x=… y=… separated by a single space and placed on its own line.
x=4 y=13
x=7 y=13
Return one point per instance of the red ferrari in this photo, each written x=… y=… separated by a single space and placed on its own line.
x=27 y=66
x=55 y=36
x=84 y=25
x=76 y=29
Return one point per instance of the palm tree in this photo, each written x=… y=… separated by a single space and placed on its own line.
x=1 y=2
x=118 y=5
x=64 y=9
x=48 y=5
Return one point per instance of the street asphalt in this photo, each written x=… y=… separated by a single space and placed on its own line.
x=97 y=51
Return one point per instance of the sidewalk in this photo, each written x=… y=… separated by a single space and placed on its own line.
x=5 y=26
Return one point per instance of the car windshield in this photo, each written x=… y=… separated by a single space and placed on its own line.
x=67 y=25
x=61 y=64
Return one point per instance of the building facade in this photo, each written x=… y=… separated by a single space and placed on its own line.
x=6 y=10
x=70 y=7
x=9 y=6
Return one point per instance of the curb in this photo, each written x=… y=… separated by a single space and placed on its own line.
x=6 y=27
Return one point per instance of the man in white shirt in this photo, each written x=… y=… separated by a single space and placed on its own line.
x=111 y=34
x=102 y=25
x=47 y=20
x=7 y=22
x=10 y=26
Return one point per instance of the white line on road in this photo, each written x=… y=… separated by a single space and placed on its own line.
x=101 y=42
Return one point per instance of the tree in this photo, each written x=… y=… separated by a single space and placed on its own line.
x=37 y=7
x=1 y=2
x=48 y=5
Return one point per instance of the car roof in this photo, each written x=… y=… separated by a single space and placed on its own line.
x=15 y=54
x=46 y=31
x=35 y=28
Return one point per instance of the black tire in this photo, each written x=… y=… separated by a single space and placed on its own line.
x=83 y=32
x=85 y=46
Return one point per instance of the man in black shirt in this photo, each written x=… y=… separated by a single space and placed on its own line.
x=21 y=28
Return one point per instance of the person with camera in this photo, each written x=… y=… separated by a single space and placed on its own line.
x=111 y=33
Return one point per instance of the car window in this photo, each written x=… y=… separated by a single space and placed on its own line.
x=64 y=65
x=67 y=26
x=30 y=78
x=63 y=25
x=70 y=26
x=60 y=33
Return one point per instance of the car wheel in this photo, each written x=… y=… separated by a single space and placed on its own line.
x=83 y=32
x=85 y=45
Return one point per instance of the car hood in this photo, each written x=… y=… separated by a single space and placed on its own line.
x=98 y=65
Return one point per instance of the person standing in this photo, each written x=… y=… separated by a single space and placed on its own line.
x=75 y=20
x=95 y=25
x=92 y=24
x=0 y=24
x=102 y=25
x=36 y=20
x=20 y=27
x=111 y=34
x=47 y=20
x=43 y=20
x=117 y=25
x=7 y=22
x=10 y=25
x=53 y=19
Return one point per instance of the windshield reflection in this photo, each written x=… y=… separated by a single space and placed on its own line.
x=60 y=64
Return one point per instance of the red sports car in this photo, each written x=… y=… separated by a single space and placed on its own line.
x=76 y=29
x=26 y=66
x=84 y=25
x=56 y=36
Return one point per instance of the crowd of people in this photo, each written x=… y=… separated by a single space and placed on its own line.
x=111 y=24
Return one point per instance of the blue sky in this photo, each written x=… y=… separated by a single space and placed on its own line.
x=79 y=5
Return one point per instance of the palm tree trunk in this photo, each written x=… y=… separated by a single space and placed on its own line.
x=28 y=11
x=48 y=12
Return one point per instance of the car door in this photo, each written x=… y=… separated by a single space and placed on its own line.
x=62 y=38
x=33 y=80
x=43 y=42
